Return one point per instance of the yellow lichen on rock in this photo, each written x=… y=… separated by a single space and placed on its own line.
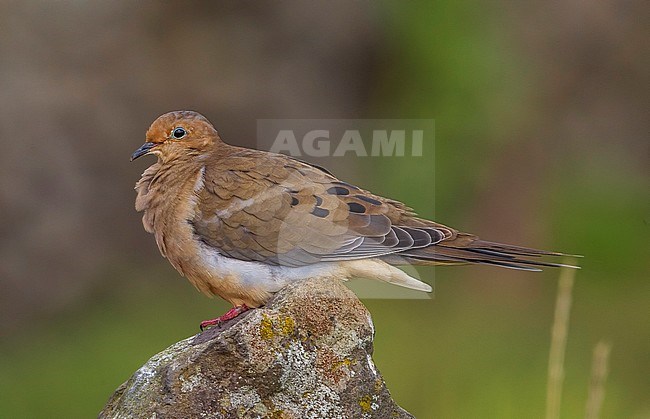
x=270 y=328
x=345 y=362
x=266 y=328
x=365 y=403
x=288 y=326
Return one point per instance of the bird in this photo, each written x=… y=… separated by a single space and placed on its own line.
x=242 y=223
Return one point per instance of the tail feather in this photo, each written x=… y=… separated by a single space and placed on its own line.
x=515 y=250
x=486 y=253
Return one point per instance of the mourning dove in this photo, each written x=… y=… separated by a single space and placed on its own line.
x=242 y=223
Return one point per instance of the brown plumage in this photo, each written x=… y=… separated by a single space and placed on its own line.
x=242 y=223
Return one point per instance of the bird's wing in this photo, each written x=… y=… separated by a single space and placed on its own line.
x=263 y=207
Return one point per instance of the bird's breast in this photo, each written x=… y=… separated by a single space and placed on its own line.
x=168 y=197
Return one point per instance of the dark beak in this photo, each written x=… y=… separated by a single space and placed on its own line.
x=144 y=149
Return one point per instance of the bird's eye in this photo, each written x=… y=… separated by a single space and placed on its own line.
x=179 y=133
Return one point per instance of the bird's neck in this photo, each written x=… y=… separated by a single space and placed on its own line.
x=174 y=176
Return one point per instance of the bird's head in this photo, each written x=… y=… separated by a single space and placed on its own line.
x=178 y=134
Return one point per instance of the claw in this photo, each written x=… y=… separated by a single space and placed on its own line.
x=229 y=315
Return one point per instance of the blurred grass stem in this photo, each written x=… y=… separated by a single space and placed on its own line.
x=599 y=371
x=558 y=343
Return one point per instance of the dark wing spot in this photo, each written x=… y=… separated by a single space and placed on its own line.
x=347 y=185
x=319 y=200
x=320 y=212
x=368 y=199
x=294 y=201
x=338 y=190
x=356 y=207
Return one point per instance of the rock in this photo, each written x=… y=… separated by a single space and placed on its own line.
x=307 y=354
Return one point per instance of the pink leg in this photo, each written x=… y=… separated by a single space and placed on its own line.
x=231 y=314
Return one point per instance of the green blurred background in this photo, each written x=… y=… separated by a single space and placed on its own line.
x=541 y=140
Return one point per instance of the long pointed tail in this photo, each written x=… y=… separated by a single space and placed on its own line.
x=478 y=251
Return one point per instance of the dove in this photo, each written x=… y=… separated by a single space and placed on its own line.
x=241 y=223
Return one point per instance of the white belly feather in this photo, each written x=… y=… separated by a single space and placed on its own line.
x=255 y=274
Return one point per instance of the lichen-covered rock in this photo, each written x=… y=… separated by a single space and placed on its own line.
x=307 y=354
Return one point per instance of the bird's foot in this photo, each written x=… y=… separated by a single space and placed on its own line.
x=231 y=314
